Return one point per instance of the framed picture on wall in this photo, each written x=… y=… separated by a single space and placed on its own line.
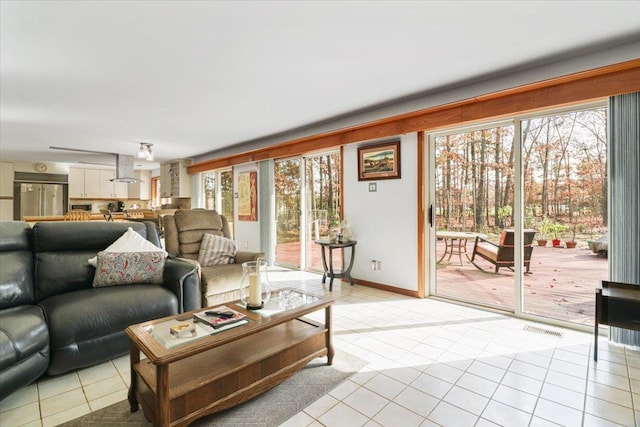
x=380 y=161
x=248 y=196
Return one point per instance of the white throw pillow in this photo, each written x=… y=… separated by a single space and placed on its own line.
x=216 y=250
x=130 y=241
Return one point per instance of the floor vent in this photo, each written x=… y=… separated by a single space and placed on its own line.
x=542 y=331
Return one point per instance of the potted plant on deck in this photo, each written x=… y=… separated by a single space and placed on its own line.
x=556 y=229
x=543 y=229
x=572 y=243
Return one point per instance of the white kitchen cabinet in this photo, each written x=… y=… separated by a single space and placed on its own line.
x=110 y=189
x=141 y=190
x=6 y=191
x=165 y=180
x=6 y=209
x=84 y=183
x=6 y=179
x=174 y=179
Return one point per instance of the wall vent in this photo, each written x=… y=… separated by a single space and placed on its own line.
x=530 y=328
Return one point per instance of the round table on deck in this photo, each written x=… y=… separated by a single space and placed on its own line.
x=455 y=242
x=328 y=269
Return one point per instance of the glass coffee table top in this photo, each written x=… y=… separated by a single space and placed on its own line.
x=188 y=330
x=285 y=299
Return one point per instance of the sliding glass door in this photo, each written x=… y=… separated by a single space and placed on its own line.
x=519 y=214
x=564 y=162
x=472 y=205
x=287 y=179
x=323 y=209
x=312 y=182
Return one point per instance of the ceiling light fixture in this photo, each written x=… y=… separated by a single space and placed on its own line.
x=144 y=152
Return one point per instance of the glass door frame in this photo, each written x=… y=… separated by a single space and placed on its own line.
x=518 y=209
x=304 y=265
x=430 y=202
x=303 y=200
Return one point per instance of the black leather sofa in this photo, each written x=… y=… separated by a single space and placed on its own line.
x=52 y=320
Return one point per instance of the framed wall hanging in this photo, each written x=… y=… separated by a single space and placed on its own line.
x=381 y=161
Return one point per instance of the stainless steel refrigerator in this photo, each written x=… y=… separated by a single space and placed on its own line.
x=38 y=199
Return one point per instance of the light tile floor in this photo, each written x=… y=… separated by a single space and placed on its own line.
x=429 y=363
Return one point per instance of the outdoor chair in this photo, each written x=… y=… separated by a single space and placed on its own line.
x=107 y=215
x=77 y=215
x=501 y=254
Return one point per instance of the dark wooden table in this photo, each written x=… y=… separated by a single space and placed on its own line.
x=617 y=304
x=329 y=271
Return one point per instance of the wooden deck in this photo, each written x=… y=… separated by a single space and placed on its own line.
x=561 y=285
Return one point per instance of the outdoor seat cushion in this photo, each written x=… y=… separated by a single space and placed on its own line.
x=488 y=250
x=89 y=324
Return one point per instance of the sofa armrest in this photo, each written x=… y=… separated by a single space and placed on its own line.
x=182 y=278
x=244 y=256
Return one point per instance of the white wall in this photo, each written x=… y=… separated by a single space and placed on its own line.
x=247 y=233
x=384 y=222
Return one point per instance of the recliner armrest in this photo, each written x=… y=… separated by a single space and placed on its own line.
x=244 y=256
x=182 y=278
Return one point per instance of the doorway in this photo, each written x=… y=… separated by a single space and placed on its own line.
x=308 y=203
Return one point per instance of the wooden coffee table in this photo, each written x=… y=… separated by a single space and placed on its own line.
x=183 y=379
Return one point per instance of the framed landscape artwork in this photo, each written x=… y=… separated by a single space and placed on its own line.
x=248 y=196
x=381 y=161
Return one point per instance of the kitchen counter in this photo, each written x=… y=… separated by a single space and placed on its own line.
x=117 y=216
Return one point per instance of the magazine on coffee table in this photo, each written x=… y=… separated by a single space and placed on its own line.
x=220 y=316
x=182 y=330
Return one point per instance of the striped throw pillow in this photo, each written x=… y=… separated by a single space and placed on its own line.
x=216 y=250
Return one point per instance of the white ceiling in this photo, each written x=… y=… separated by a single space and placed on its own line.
x=191 y=77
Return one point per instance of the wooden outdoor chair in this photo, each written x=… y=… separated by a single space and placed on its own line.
x=501 y=254
x=77 y=215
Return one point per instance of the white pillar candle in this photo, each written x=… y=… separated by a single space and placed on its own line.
x=255 y=290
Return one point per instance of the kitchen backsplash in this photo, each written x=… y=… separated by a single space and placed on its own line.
x=96 y=205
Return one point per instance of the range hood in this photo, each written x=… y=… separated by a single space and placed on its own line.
x=124 y=169
x=124 y=164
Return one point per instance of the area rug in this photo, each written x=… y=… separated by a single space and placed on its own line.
x=267 y=410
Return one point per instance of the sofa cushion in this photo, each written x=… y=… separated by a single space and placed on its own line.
x=23 y=332
x=220 y=283
x=216 y=250
x=87 y=326
x=61 y=251
x=24 y=347
x=191 y=225
x=126 y=268
x=130 y=241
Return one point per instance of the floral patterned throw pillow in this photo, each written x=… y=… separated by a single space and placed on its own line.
x=125 y=268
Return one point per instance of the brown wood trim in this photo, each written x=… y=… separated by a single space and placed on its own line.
x=342 y=182
x=574 y=88
x=402 y=291
x=6 y=197
x=421 y=217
